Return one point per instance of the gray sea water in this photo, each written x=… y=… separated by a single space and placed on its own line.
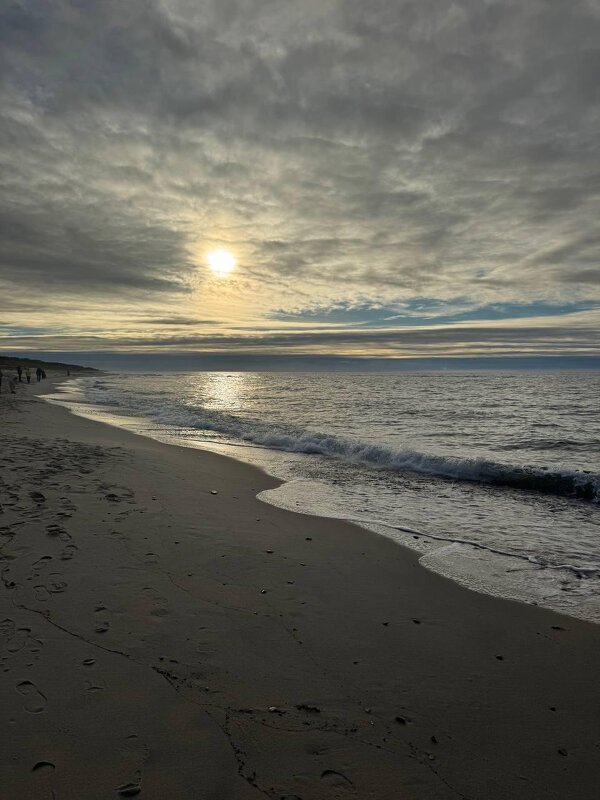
x=493 y=477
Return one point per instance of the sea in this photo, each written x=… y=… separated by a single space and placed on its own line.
x=492 y=477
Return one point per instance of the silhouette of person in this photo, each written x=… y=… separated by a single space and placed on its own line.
x=12 y=384
x=38 y=374
x=28 y=375
x=43 y=375
x=20 y=372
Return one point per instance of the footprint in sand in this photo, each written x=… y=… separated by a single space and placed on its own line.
x=129 y=790
x=5 y=578
x=137 y=754
x=15 y=640
x=13 y=499
x=56 y=583
x=41 y=593
x=68 y=552
x=55 y=530
x=117 y=494
x=43 y=767
x=135 y=749
x=101 y=615
x=94 y=687
x=337 y=780
x=67 y=506
x=35 y=702
x=37 y=497
x=7 y=530
x=41 y=563
x=7 y=628
x=159 y=604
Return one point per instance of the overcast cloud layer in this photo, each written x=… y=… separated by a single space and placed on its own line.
x=393 y=176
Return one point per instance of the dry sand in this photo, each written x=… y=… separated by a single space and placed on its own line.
x=163 y=641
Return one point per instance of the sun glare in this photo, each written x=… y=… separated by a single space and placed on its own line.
x=221 y=262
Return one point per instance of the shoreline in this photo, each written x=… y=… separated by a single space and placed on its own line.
x=494 y=573
x=242 y=650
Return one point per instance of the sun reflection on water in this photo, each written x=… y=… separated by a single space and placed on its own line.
x=222 y=391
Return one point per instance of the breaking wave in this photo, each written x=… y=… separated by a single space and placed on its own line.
x=567 y=483
x=578 y=484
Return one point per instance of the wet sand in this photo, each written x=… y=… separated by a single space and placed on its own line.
x=164 y=634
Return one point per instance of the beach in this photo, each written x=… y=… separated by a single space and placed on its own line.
x=165 y=634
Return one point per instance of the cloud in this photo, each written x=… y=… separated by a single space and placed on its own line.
x=176 y=321
x=347 y=152
x=576 y=334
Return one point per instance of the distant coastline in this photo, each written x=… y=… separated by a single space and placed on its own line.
x=10 y=362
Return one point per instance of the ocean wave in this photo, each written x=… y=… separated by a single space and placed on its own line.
x=564 y=483
x=559 y=482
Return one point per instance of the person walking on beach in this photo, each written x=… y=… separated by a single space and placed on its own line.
x=28 y=375
x=20 y=372
x=38 y=374
x=43 y=375
x=12 y=384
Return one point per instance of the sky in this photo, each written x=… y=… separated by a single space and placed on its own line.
x=398 y=179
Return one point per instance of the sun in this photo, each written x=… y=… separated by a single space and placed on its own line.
x=221 y=262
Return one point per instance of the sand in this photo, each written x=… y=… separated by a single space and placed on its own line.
x=165 y=635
